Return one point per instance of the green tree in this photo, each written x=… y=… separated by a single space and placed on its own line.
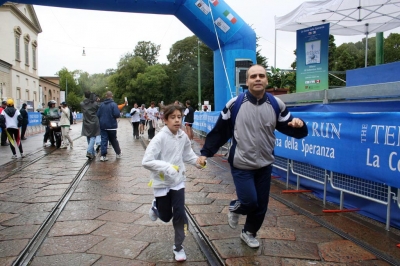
x=392 y=48
x=67 y=82
x=261 y=60
x=183 y=71
x=148 y=51
x=149 y=86
x=331 y=52
x=120 y=83
x=345 y=61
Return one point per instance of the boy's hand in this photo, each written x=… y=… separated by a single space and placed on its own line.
x=202 y=160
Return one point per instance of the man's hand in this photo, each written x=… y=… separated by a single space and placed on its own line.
x=201 y=160
x=296 y=122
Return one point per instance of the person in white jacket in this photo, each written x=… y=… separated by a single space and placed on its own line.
x=165 y=157
x=65 y=124
x=135 y=113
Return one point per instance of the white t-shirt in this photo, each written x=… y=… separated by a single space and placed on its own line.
x=152 y=113
x=136 y=115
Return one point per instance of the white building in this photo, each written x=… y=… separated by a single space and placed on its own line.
x=19 y=29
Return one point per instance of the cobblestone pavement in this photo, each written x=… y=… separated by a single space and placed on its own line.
x=106 y=220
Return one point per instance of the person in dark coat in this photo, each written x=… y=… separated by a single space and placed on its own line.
x=25 y=120
x=90 y=122
x=108 y=113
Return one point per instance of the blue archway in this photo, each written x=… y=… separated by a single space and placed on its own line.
x=212 y=21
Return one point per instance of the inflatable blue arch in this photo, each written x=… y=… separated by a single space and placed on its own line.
x=212 y=21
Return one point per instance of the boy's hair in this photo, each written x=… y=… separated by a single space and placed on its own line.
x=169 y=109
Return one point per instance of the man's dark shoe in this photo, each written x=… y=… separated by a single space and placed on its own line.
x=89 y=156
x=97 y=148
x=23 y=138
x=5 y=144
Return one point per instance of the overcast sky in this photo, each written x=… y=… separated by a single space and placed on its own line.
x=107 y=36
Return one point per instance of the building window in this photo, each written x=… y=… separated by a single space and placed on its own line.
x=17 y=54
x=27 y=39
x=27 y=95
x=18 y=93
x=34 y=57
x=17 y=35
x=26 y=54
x=35 y=96
x=34 y=45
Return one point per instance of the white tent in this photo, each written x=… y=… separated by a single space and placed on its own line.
x=346 y=17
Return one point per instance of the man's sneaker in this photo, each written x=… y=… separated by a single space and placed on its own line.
x=103 y=158
x=22 y=155
x=63 y=146
x=152 y=214
x=89 y=156
x=14 y=156
x=119 y=156
x=233 y=219
x=44 y=144
x=249 y=239
x=179 y=255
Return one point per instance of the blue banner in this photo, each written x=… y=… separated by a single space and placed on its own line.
x=35 y=118
x=364 y=145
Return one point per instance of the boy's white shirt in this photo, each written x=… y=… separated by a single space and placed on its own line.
x=165 y=150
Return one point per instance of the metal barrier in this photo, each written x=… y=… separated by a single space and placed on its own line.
x=370 y=190
x=284 y=165
x=310 y=172
x=397 y=198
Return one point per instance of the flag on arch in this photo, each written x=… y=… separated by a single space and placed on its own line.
x=214 y=2
x=229 y=16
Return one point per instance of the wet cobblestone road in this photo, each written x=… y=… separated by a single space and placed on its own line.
x=106 y=220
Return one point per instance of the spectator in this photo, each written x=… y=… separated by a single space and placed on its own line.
x=151 y=114
x=189 y=120
x=3 y=129
x=142 y=114
x=108 y=114
x=74 y=115
x=251 y=155
x=25 y=120
x=135 y=119
x=51 y=112
x=12 y=128
x=90 y=122
x=65 y=123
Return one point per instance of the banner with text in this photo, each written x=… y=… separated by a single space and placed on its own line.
x=312 y=58
x=364 y=145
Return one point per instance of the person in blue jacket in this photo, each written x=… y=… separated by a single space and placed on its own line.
x=108 y=113
x=251 y=155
